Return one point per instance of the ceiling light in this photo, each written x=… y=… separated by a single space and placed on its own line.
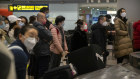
x=97 y=9
x=88 y=7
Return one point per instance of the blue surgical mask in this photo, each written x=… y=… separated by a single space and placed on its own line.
x=3 y=25
x=21 y=24
x=47 y=15
x=63 y=25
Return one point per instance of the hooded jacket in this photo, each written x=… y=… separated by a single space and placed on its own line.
x=136 y=35
x=42 y=48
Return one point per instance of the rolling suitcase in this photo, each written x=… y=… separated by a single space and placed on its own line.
x=87 y=59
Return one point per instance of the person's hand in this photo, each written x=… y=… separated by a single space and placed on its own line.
x=108 y=32
x=66 y=52
x=113 y=32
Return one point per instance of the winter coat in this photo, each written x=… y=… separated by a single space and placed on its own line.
x=78 y=40
x=136 y=35
x=42 y=48
x=56 y=46
x=123 y=43
x=21 y=59
x=99 y=35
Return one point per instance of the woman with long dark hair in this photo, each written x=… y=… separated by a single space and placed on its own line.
x=79 y=38
x=123 y=44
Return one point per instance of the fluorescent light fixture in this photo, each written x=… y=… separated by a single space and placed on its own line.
x=97 y=9
x=111 y=12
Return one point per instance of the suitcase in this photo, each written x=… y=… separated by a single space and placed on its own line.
x=62 y=72
x=87 y=59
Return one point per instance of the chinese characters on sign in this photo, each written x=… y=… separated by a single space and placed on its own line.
x=26 y=8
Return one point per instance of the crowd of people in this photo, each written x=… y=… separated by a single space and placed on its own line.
x=42 y=44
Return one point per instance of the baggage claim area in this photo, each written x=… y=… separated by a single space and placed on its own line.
x=69 y=39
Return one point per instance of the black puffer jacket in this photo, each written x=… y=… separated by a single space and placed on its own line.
x=98 y=35
x=42 y=48
x=78 y=40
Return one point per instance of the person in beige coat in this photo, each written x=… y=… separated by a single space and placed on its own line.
x=123 y=44
x=59 y=45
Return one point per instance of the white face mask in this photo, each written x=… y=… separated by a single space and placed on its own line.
x=123 y=14
x=30 y=43
x=85 y=27
x=104 y=23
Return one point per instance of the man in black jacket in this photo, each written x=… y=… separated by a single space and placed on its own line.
x=42 y=50
x=98 y=36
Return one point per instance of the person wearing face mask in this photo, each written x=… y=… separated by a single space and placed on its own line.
x=2 y=23
x=6 y=28
x=14 y=25
x=7 y=40
x=42 y=48
x=59 y=45
x=27 y=39
x=24 y=21
x=45 y=10
x=79 y=37
x=99 y=35
x=123 y=43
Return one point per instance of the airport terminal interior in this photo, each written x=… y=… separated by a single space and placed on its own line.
x=69 y=39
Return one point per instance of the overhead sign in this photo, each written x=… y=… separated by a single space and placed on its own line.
x=26 y=7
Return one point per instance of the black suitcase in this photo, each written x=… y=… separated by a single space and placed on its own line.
x=62 y=72
x=87 y=59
